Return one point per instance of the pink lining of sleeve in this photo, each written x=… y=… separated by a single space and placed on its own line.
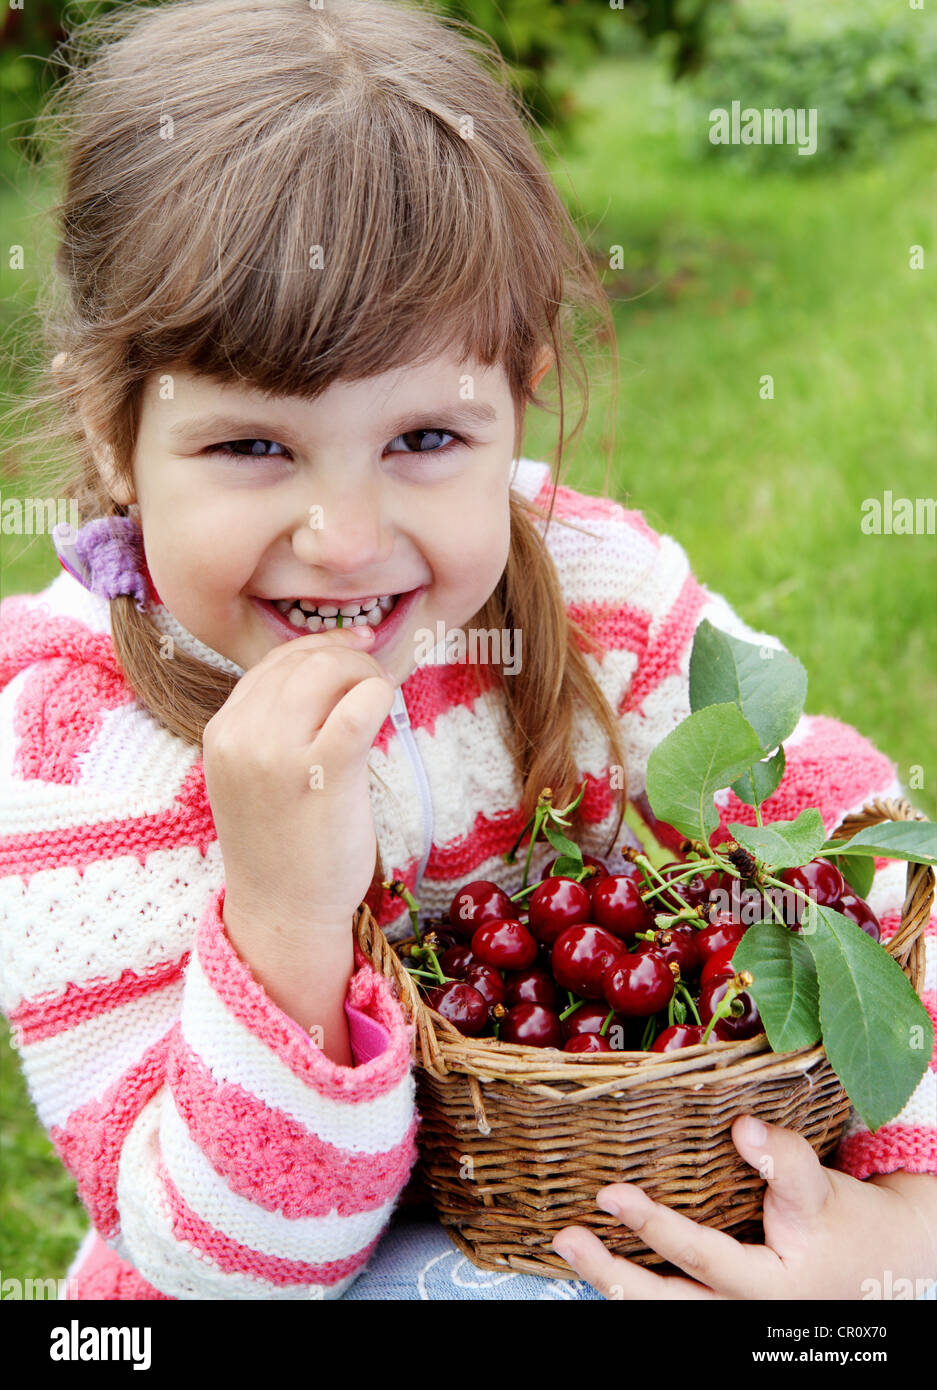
x=368 y=1038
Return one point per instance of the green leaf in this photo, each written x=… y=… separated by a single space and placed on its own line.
x=893 y=839
x=784 y=843
x=768 y=686
x=877 y=1033
x=767 y=777
x=559 y=841
x=705 y=752
x=857 y=870
x=785 y=984
x=566 y=867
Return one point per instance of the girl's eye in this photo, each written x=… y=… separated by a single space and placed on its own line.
x=418 y=441
x=420 y=437
x=255 y=450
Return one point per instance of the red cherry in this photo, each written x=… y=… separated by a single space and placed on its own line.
x=639 y=985
x=819 y=879
x=531 y=1025
x=533 y=986
x=678 y=1035
x=725 y=930
x=554 y=905
x=588 y=1042
x=462 y=1005
x=748 y=1025
x=456 y=961
x=617 y=906
x=488 y=982
x=504 y=943
x=675 y=944
x=858 y=911
x=589 y=1017
x=719 y=963
x=479 y=901
x=580 y=958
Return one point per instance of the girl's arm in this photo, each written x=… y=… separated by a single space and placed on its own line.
x=309 y=985
x=216 y=1147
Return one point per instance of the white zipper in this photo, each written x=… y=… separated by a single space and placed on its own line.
x=401 y=721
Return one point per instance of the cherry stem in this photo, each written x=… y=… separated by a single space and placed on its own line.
x=647 y=1037
x=545 y=810
x=688 y=1000
x=737 y=985
x=440 y=978
x=667 y=919
x=402 y=891
x=572 y=1009
x=523 y=892
x=539 y=818
x=663 y=885
x=606 y=1021
x=786 y=887
x=427 y=955
x=510 y=855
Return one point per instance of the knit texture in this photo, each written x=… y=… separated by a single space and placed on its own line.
x=218 y=1152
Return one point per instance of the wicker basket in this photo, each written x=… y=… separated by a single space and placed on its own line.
x=515 y=1141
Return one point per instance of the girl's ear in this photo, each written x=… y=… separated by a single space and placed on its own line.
x=123 y=494
x=544 y=363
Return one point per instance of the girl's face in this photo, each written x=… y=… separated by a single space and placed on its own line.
x=391 y=485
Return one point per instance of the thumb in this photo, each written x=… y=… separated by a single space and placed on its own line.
x=798 y=1184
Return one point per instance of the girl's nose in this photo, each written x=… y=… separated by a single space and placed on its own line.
x=345 y=534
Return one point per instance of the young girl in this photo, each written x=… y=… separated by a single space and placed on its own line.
x=314 y=272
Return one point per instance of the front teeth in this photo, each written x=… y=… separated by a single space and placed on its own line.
x=369 y=612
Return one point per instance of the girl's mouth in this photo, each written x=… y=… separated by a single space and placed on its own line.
x=296 y=617
x=301 y=613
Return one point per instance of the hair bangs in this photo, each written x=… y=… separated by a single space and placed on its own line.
x=343 y=261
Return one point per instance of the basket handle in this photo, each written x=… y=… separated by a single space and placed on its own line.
x=907 y=945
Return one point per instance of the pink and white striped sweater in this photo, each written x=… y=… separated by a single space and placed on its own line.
x=218 y=1152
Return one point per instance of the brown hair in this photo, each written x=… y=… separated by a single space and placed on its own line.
x=205 y=145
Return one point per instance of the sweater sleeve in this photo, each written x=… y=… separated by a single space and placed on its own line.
x=214 y=1145
x=829 y=765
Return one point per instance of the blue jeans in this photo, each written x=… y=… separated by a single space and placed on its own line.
x=415 y=1259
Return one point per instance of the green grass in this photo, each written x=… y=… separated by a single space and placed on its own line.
x=731 y=277
x=725 y=278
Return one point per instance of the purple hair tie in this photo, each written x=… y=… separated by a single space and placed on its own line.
x=106 y=556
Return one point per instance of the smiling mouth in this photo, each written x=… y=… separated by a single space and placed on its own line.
x=303 y=613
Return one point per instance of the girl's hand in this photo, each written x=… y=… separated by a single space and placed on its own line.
x=285 y=762
x=826 y=1233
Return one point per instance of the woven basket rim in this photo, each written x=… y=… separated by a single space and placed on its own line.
x=442 y=1049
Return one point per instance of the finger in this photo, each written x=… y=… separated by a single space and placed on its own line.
x=617 y=1278
x=288 y=651
x=349 y=731
x=719 y=1261
x=798 y=1184
x=291 y=703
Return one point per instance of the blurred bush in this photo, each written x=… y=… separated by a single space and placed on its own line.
x=868 y=67
x=536 y=37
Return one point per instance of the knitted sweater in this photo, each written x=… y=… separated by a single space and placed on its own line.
x=219 y=1153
